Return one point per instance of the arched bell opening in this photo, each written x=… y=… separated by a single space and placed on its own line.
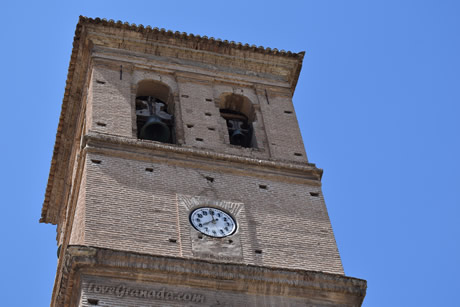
x=154 y=112
x=239 y=114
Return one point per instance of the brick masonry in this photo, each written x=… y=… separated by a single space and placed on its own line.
x=197 y=104
x=129 y=208
x=110 y=191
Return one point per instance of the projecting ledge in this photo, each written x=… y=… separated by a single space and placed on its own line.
x=141 y=149
x=103 y=272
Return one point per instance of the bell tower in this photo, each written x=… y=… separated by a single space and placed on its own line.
x=179 y=177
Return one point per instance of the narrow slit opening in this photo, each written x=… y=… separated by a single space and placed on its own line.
x=208 y=99
x=262 y=186
x=210 y=179
x=314 y=194
x=189 y=126
x=258 y=251
x=96 y=161
x=184 y=96
x=149 y=169
x=101 y=124
x=173 y=240
x=297 y=154
x=288 y=112
x=199 y=139
x=92 y=301
x=207 y=114
x=100 y=82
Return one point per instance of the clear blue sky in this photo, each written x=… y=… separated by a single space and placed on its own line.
x=377 y=101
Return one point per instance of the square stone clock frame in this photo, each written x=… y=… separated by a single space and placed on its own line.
x=194 y=244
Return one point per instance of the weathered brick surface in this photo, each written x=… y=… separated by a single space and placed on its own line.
x=197 y=112
x=119 y=193
x=282 y=129
x=130 y=294
x=78 y=228
x=128 y=208
x=111 y=102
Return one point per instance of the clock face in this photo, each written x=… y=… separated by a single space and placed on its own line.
x=213 y=222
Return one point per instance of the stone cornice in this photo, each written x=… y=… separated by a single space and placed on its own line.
x=148 y=268
x=148 y=150
x=194 y=51
x=213 y=43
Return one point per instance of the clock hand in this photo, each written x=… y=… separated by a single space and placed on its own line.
x=207 y=223
x=211 y=221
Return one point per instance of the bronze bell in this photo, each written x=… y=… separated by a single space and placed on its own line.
x=238 y=137
x=155 y=130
